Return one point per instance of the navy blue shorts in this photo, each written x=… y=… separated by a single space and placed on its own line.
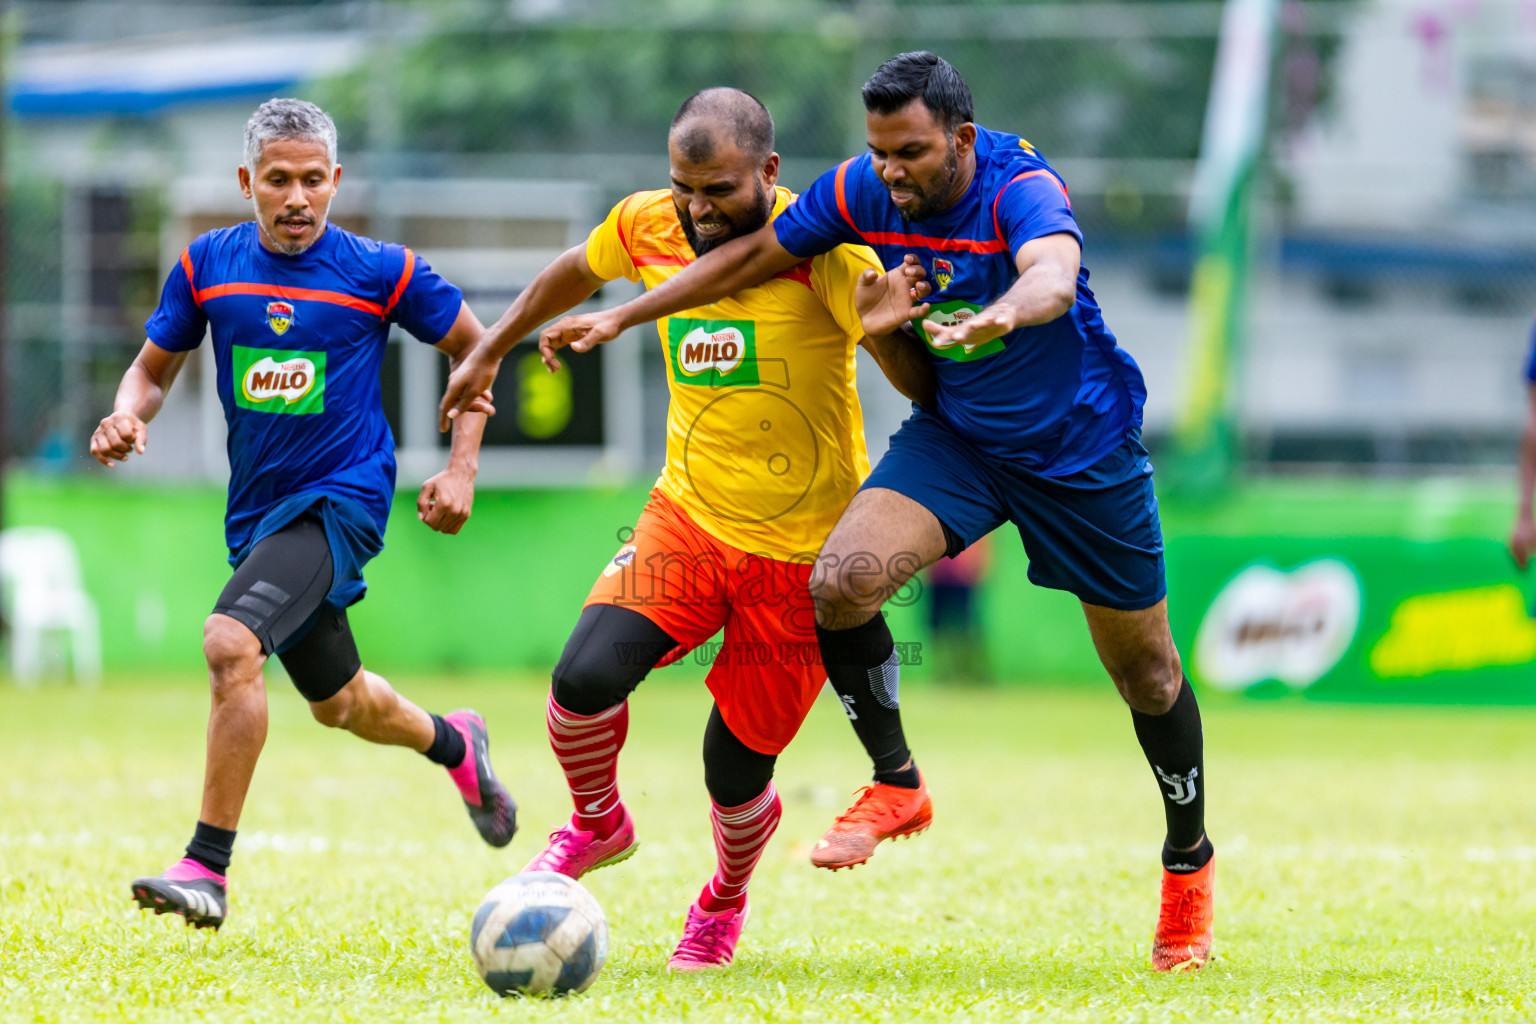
x=1094 y=533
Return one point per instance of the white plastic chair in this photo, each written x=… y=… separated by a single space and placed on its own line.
x=40 y=585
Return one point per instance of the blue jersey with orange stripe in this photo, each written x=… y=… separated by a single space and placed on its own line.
x=1055 y=397
x=298 y=342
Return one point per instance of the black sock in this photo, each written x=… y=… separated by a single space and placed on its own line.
x=447 y=747
x=906 y=778
x=212 y=847
x=1175 y=748
x=862 y=666
x=1187 y=862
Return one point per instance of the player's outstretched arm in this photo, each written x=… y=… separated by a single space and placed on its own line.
x=740 y=263
x=139 y=398
x=446 y=500
x=1522 y=539
x=1046 y=289
x=564 y=284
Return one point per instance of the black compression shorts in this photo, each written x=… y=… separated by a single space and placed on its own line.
x=278 y=592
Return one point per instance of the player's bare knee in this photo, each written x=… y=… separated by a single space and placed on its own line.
x=231 y=649
x=838 y=604
x=1151 y=689
x=828 y=609
x=352 y=705
x=845 y=615
x=335 y=712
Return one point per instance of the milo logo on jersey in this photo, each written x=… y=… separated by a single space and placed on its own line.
x=267 y=380
x=714 y=353
x=954 y=312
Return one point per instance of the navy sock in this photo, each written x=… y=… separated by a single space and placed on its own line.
x=447 y=747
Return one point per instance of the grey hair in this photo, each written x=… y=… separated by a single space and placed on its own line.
x=287 y=119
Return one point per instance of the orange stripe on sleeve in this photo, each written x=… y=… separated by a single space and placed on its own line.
x=186 y=267
x=618 y=222
x=405 y=279
x=842 y=194
x=997 y=227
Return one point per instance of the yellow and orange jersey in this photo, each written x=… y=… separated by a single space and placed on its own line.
x=765 y=437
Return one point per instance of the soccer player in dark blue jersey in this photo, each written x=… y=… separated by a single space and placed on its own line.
x=1037 y=423
x=1522 y=538
x=300 y=312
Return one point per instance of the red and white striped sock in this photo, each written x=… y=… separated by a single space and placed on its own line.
x=741 y=835
x=587 y=747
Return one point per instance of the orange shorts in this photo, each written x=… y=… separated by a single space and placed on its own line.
x=767 y=671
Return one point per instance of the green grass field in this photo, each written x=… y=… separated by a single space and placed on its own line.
x=1374 y=864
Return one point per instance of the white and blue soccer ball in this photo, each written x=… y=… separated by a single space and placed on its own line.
x=539 y=933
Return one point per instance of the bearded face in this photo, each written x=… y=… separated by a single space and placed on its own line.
x=287 y=232
x=726 y=220
x=918 y=200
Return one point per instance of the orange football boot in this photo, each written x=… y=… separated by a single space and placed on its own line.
x=1184 y=933
x=881 y=812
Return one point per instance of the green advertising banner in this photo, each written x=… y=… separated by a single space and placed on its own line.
x=1356 y=619
x=1327 y=589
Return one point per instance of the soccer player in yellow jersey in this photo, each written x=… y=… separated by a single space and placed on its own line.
x=765 y=448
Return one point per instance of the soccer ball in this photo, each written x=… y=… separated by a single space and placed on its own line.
x=539 y=933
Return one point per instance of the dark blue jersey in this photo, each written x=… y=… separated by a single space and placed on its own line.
x=298 y=341
x=1055 y=397
x=1530 y=360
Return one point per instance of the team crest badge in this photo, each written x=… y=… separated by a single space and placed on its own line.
x=943 y=273
x=621 y=561
x=279 y=316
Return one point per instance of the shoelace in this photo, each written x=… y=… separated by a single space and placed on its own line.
x=1181 y=909
x=700 y=935
x=559 y=839
x=864 y=808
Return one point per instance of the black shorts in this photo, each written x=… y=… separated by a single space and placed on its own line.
x=278 y=592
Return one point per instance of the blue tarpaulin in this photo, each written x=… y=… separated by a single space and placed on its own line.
x=149 y=76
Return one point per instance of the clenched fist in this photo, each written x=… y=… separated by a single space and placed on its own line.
x=117 y=436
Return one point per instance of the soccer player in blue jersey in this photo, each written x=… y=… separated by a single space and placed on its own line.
x=300 y=312
x=1522 y=538
x=1037 y=423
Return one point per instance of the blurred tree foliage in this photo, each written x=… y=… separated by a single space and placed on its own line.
x=600 y=77
x=606 y=76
